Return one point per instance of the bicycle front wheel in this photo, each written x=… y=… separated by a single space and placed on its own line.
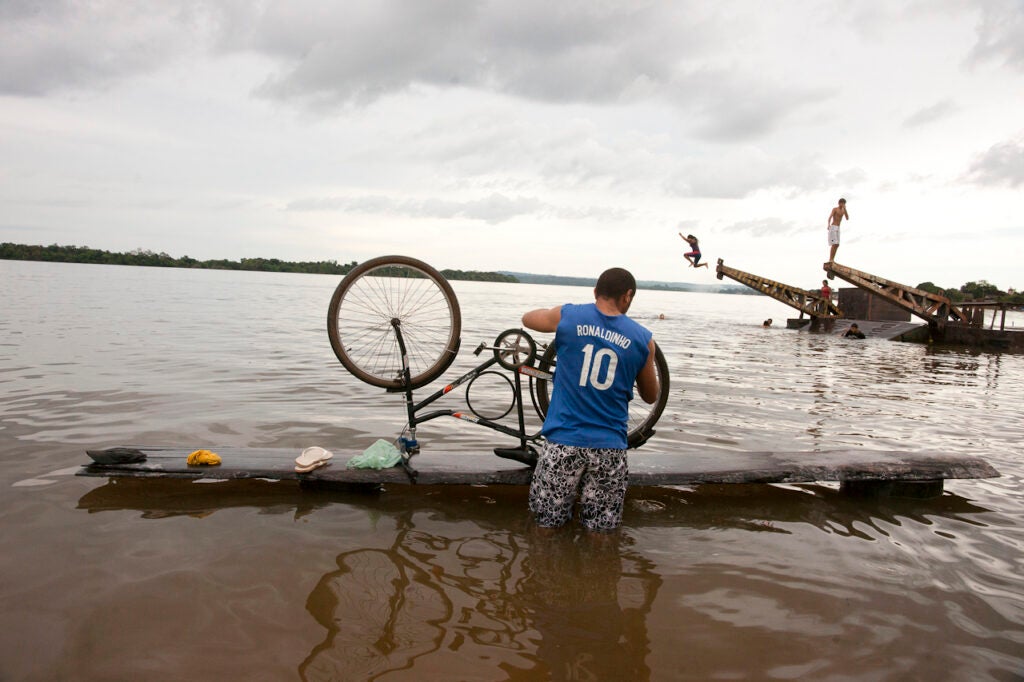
x=642 y=417
x=377 y=295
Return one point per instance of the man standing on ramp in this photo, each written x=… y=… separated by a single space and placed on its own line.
x=834 y=218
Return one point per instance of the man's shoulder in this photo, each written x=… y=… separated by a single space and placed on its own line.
x=639 y=328
x=570 y=309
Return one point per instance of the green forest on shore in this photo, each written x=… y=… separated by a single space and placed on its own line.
x=971 y=291
x=83 y=254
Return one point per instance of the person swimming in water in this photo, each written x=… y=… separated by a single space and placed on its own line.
x=694 y=255
x=853 y=332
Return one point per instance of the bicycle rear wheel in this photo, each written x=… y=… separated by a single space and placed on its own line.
x=394 y=288
x=642 y=417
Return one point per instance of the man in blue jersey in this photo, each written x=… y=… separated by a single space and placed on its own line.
x=601 y=354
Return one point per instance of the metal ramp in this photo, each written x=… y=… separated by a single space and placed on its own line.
x=935 y=309
x=807 y=302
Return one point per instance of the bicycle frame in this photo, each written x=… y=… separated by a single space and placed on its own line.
x=426 y=322
x=410 y=446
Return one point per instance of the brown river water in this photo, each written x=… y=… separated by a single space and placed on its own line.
x=255 y=580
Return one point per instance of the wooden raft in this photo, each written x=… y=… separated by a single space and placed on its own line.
x=857 y=470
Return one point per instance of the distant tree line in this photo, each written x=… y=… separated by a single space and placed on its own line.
x=83 y=254
x=971 y=291
x=562 y=280
x=975 y=291
x=478 y=276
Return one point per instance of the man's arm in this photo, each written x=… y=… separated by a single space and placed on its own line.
x=543 y=319
x=647 y=379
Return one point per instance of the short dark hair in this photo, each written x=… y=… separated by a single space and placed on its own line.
x=842 y=201
x=614 y=282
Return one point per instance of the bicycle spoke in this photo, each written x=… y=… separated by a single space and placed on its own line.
x=362 y=329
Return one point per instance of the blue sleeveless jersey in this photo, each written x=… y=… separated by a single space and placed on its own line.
x=598 y=358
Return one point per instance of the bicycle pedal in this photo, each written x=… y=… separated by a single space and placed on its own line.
x=527 y=455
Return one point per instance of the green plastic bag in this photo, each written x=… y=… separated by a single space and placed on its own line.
x=381 y=455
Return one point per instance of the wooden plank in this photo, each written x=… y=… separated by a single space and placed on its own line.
x=934 y=308
x=647 y=467
x=808 y=302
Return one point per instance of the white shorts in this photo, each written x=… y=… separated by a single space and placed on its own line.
x=833 y=235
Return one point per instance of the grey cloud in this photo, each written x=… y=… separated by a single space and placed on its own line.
x=569 y=52
x=733 y=107
x=562 y=52
x=1000 y=33
x=1001 y=164
x=514 y=156
x=930 y=114
x=766 y=227
x=54 y=45
x=592 y=213
x=738 y=175
x=848 y=178
x=492 y=209
x=328 y=55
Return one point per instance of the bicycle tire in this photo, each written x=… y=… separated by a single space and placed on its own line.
x=642 y=417
x=359 y=321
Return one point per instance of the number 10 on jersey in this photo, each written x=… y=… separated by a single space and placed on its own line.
x=593 y=364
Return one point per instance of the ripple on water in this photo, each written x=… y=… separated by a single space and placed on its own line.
x=801 y=580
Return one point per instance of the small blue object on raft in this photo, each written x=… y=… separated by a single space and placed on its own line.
x=858 y=470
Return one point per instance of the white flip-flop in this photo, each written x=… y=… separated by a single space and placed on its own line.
x=311 y=458
x=307 y=469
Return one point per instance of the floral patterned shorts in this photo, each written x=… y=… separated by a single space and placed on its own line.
x=598 y=476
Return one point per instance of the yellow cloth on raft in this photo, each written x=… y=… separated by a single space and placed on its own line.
x=203 y=457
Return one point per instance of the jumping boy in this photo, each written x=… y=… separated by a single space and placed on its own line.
x=693 y=256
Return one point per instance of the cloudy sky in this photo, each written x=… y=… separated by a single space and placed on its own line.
x=553 y=137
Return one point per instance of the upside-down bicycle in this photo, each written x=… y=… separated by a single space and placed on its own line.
x=394 y=322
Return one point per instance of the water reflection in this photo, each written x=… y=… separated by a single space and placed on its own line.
x=751 y=507
x=589 y=596
x=451 y=581
x=567 y=605
x=381 y=611
x=563 y=605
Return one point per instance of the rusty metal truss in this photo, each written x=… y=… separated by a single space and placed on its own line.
x=810 y=302
x=933 y=308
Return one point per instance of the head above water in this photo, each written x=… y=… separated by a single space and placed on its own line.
x=842 y=202
x=854 y=326
x=618 y=285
